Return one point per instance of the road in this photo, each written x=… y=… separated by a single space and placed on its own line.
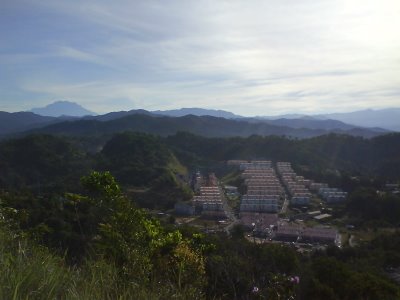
x=229 y=212
x=284 y=205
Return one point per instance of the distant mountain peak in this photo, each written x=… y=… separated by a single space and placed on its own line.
x=62 y=108
x=196 y=111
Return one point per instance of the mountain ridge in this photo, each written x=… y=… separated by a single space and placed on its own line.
x=207 y=126
x=388 y=118
x=11 y=123
x=196 y=111
x=20 y=121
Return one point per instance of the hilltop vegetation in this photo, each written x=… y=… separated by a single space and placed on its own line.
x=377 y=157
x=45 y=164
x=62 y=239
x=141 y=161
x=41 y=163
x=115 y=250
x=147 y=165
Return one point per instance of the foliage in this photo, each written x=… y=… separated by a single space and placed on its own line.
x=41 y=163
x=91 y=241
x=236 y=266
x=134 y=248
x=327 y=157
x=368 y=205
x=48 y=166
x=335 y=280
x=135 y=159
x=141 y=160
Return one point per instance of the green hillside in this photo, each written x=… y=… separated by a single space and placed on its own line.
x=376 y=157
x=45 y=164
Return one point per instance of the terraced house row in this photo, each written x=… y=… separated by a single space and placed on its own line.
x=209 y=201
x=296 y=233
x=263 y=188
x=297 y=186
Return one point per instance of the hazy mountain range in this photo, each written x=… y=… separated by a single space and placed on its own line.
x=385 y=118
x=71 y=118
x=207 y=126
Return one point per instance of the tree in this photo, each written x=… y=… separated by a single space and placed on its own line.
x=138 y=244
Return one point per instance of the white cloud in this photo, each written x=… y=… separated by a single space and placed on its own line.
x=76 y=54
x=274 y=56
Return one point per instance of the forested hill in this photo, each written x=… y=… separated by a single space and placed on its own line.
x=45 y=162
x=379 y=156
x=201 y=125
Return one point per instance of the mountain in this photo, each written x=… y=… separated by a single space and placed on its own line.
x=21 y=121
x=118 y=114
x=197 y=112
x=62 y=108
x=388 y=119
x=385 y=118
x=311 y=123
x=287 y=116
x=202 y=125
x=232 y=125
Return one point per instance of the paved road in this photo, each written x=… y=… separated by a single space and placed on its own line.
x=284 y=205
x=229 y=212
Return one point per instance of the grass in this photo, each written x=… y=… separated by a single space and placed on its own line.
x=177 y=167
x=29 y=271
x=231 y=178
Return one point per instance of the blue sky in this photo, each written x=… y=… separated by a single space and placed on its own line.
x=248 y=57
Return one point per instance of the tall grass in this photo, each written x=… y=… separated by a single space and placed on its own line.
x=30 y=271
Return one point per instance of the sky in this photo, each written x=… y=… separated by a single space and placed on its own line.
x=248 y=57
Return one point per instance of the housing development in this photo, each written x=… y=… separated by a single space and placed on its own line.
x=274 y=205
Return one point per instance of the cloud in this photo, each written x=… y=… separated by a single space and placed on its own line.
x=76 y=54
x=273 y=56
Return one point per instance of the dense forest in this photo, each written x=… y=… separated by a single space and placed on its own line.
x=45 y=161
x=76 y=223
x=320 y=155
